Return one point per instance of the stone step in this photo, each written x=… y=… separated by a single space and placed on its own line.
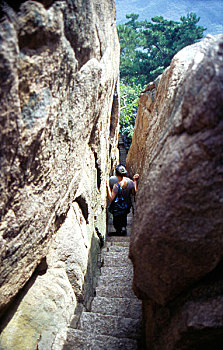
x=116 y=260
x=118 y=290
x=123 y=252
x=118 y=271
x=121 y=255
x=114 y=279
x=117 y=244
x=114 y=255
x=117 y=248
x=112 y=233
x=116 y=239
x=123 y=307
x=82 y=340
x=114 y=326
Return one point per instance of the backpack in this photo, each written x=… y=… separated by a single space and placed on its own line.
x=118 y=206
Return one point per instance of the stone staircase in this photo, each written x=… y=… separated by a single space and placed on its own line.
x=114 y=321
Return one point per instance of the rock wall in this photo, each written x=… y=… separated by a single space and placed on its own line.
x=176 y=243
x=59 y=93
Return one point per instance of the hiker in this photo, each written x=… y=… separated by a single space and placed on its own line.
x=122 y=187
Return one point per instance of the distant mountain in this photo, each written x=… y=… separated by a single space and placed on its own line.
x=209 y=11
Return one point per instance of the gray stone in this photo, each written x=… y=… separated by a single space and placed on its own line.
x=123 y=307
x=115 y=259
x=119 y=244
x=116 y=271
x=81 y=340
x=46 y=313
x=118 y=240
x=117 y=290
x=59 y=133
x=177 y=237
x=176 y=241
x=115 y=248
x=114 y=319
x=110 y=325
x=107 y=279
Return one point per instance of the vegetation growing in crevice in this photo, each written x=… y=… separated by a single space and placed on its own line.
x=147 y=48
x=129 y=104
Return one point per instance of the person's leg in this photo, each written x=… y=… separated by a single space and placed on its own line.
x=124 y=224
x=120 y=223
x=117 y=223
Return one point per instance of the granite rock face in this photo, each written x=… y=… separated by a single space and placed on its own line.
x=176 y=238
x=59 y=108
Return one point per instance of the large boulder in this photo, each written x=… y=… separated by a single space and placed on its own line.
x=177 y=149
x=59 y=132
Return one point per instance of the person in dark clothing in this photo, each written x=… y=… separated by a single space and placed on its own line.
x=128 y=187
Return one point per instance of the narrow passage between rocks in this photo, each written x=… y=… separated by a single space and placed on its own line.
x=114 y=321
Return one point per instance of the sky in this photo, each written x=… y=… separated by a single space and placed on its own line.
x=209 y=11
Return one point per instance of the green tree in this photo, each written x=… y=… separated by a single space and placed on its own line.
x=128 y=111
x=147 y=48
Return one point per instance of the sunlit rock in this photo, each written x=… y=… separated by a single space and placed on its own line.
x=59 y=131
x=177 y=229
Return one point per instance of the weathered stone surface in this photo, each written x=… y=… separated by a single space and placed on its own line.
x=114 y=318
x=197 y=325
x=110 y=325
x=178 y=224
x=193 y=320
x=115 y=259
x=43 y=313
x=124 y=307
x=118 y=290
x=83 y=340
x=49 y=301
x=59 y=132
x=177 y=230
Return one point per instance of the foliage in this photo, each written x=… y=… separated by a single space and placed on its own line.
x=128 y=111
x=147 y=48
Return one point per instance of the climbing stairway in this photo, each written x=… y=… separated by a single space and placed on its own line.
x=114 y=321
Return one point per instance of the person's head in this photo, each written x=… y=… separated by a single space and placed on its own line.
x=120 y=171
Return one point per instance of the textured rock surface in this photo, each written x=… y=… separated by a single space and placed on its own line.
x=114 y=319
x=193 y=320
x=59 y=131
x=177 y=230
x=41 y=317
